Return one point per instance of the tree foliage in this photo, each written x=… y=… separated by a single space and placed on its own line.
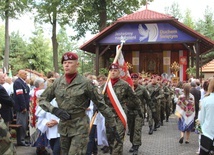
x=174 y=10
x=10 y=9
x=37 y=51
x=188 y=20
x=54 y=12
x=205 y=26
x=15 y=8
x=1 y=40
x=93 y=15
x=18 y=49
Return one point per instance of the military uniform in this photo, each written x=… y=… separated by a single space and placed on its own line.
x=135 y=121
x=167 y=98
x=6 y=145
x=128 y=101
x=156 y=95
x=73 y=98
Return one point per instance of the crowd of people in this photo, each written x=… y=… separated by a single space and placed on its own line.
x=73 y=114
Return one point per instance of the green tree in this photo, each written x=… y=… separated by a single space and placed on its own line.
x=18 y=50
x=1 y=43
x=187 y=20
x=86 y=62
x=65 y=42
x=205 y=26
x=93 y=15
x=10 y=9
x=174 y=10
x=39 y=54
x=34 y=54
x=54 y=12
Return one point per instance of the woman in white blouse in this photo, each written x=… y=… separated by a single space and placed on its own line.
x=48 y=123
x=206 y=117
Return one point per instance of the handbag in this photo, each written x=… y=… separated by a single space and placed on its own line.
x=206 y=143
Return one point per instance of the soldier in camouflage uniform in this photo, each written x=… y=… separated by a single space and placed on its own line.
x=127 y=99
x=134 y=119
x=156 y=94
x=72 y=92
x=6 y=145
x=167 y=98
x=162 y=106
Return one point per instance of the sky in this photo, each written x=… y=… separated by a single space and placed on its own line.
x=25 y=24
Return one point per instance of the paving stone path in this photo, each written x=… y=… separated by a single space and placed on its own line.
x=164 y=141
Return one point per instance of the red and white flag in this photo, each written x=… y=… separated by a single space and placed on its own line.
x=116 y=103
x=124 y=71
x=124 y=74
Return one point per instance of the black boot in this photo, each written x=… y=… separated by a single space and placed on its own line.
x=161 y=123
x=132 y=149
x=110 y=149
x=135 y=150
x=105 y=149
x=157 y=125
x=155 y=129
x=150 y=130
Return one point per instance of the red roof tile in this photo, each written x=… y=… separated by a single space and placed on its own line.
x=144 y=15
x=148 y=16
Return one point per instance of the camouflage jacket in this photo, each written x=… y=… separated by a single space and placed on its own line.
x=144 y=96
x=126 y=96
x=166 y=91
x=74 y=98
x=6 y=145
x=155 y=87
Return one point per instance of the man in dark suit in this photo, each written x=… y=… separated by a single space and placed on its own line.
x=22 y=99
x=6 y=104
x=197 y=95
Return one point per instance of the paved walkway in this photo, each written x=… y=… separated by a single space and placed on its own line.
x=164 y=141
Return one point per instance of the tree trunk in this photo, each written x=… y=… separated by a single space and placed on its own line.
x=103 y=15
x=55 y=43
x=7 y=39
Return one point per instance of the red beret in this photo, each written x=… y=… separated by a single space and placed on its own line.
x=114 y=66
x=134 y=75
x=69 y=56
x=146 y=79
x=164 y=80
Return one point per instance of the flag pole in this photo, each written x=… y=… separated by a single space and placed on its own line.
x=118 y=52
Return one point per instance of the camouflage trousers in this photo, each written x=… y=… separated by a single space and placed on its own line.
x=75 y=145
x=162 y=112
x=168 y=108
x=135 y=126
x=150 y=119
x=117 y=147
x=158 y=108
x=6 y=145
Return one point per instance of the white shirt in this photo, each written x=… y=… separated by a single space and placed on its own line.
x=44 y=117
x=206 y=116
x=8 y=88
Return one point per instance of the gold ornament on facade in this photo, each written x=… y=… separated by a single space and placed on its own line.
x=145 y=74
x=129 y=65
x=175 y=68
